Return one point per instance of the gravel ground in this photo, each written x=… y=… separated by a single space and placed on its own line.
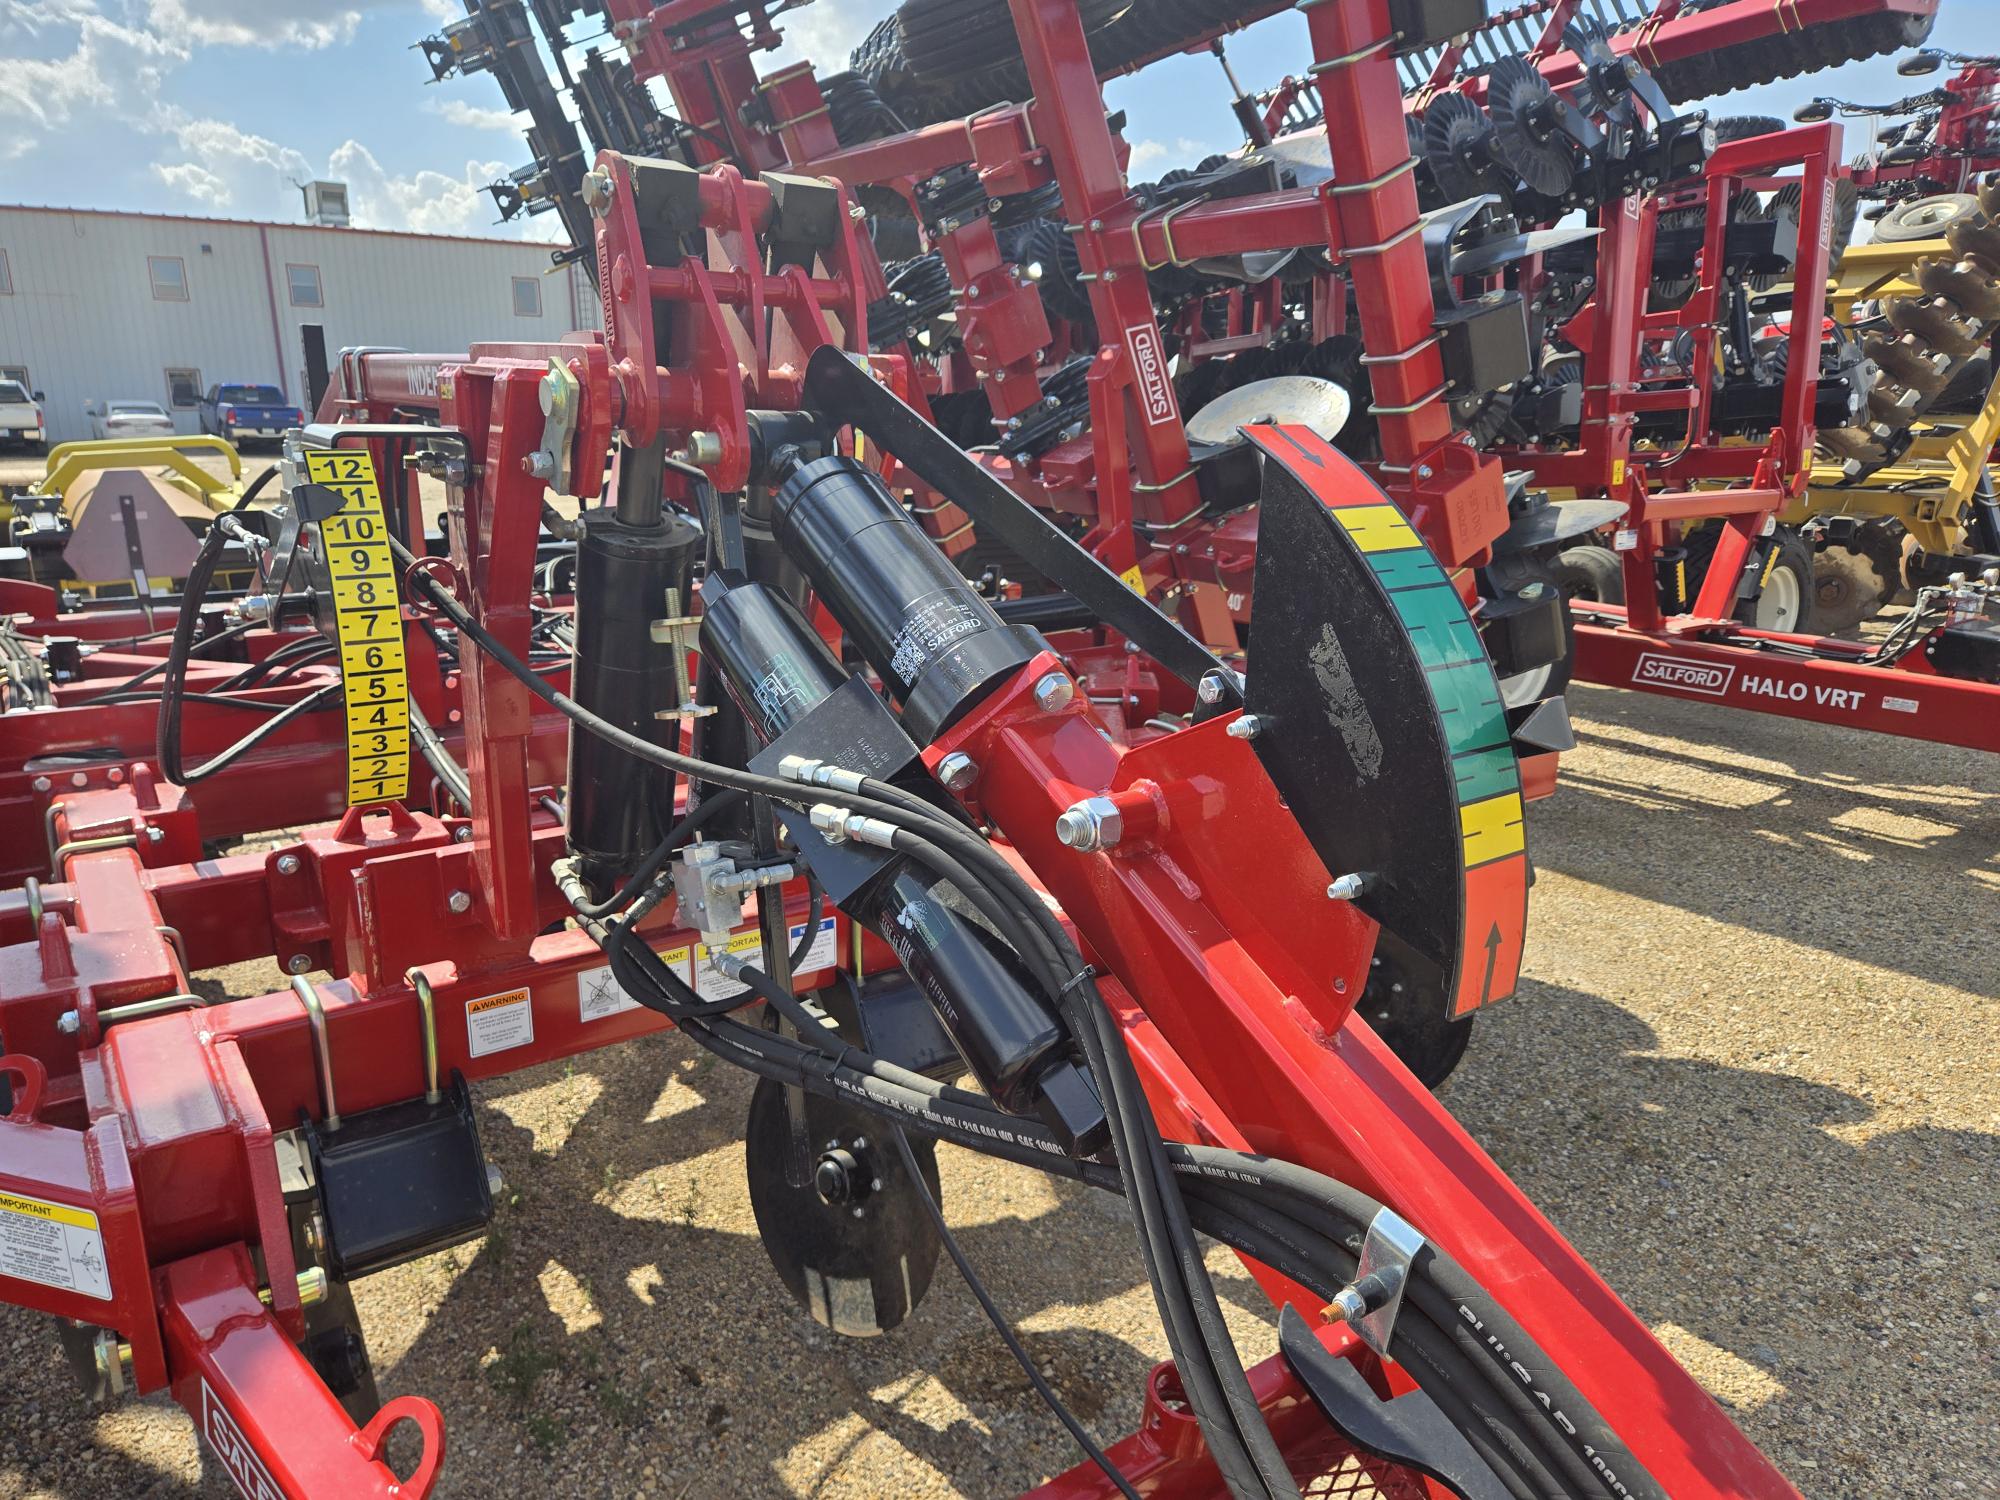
x=1751 y=1072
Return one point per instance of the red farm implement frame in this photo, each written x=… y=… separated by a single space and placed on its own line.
x=163 y=1132
x=1220 y=904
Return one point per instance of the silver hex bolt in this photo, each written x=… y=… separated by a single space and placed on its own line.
x=42 y=783
x=1244 y=727
x=1211 y=688
x=1347 y=887
x=460 y=902
x=288 y=864
x=298 y=963
x=69 y=1023
x=1054 y=691
x=958 y=770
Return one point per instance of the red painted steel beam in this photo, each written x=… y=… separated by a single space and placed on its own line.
x=1906 y=701
x=260 y=1406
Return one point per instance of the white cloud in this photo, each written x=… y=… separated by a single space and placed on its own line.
x=1182 y=153
x=458 y=112
x=427 y=202
x=198 y=183
x=115 y=71
x=826 y=34
x=109 y=65
x=310 y=24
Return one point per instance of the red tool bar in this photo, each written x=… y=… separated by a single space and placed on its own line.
x=1695 y=505
x=739 y=288
x=261 y=1407
x=1907 y=701
x=390 y=377
x=1692 y=32
x=922 y=153
x=1292 y=219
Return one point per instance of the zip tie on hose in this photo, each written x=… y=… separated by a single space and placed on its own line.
x=1081 y=977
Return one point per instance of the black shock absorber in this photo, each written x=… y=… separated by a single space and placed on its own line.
x=619 y=806
x=789 y=683
x=936 y=644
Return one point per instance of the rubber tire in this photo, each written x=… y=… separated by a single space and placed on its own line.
x=1924 y=218
x=1795 y=556
x=944 y=40
x=1590 y=572
x=1744 y=127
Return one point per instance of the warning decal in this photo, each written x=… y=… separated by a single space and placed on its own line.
x=494 y=1023
x=53 y=1244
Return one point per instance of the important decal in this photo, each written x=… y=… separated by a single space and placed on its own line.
x=53 y=1244
x=1655 y=670
x=369 y=620
x=1149 y=365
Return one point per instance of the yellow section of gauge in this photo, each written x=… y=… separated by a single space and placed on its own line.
x=369 y=621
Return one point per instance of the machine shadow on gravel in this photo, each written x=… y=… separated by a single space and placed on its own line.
x=1738 y=1199
x=689 y=1299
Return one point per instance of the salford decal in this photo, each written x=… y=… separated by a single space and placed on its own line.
x=1149 y=361
x=1655 y=670
x=238 y=1458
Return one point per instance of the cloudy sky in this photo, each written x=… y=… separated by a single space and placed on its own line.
x=220 y=106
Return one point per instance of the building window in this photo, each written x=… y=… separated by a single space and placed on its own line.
x=303 y=283
x=527 y=296
x=170 y=277
x=184 y=387
x=6 y=276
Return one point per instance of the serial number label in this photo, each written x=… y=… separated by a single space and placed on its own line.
x=53 y=1244
x=368 y=619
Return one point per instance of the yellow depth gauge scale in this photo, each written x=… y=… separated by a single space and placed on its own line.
x=369 y=622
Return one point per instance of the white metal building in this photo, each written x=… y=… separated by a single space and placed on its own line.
x=98 y=306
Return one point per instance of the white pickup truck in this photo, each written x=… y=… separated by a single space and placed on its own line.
x=21 y=417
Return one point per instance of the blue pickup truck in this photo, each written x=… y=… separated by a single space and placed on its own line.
x=246 y=411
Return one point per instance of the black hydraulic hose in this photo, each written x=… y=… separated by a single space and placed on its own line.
x=160 y=666
x=430 y=744
x=167 y=739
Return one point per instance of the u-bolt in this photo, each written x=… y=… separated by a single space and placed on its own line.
x=427 y=1005
x=322 y=1053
